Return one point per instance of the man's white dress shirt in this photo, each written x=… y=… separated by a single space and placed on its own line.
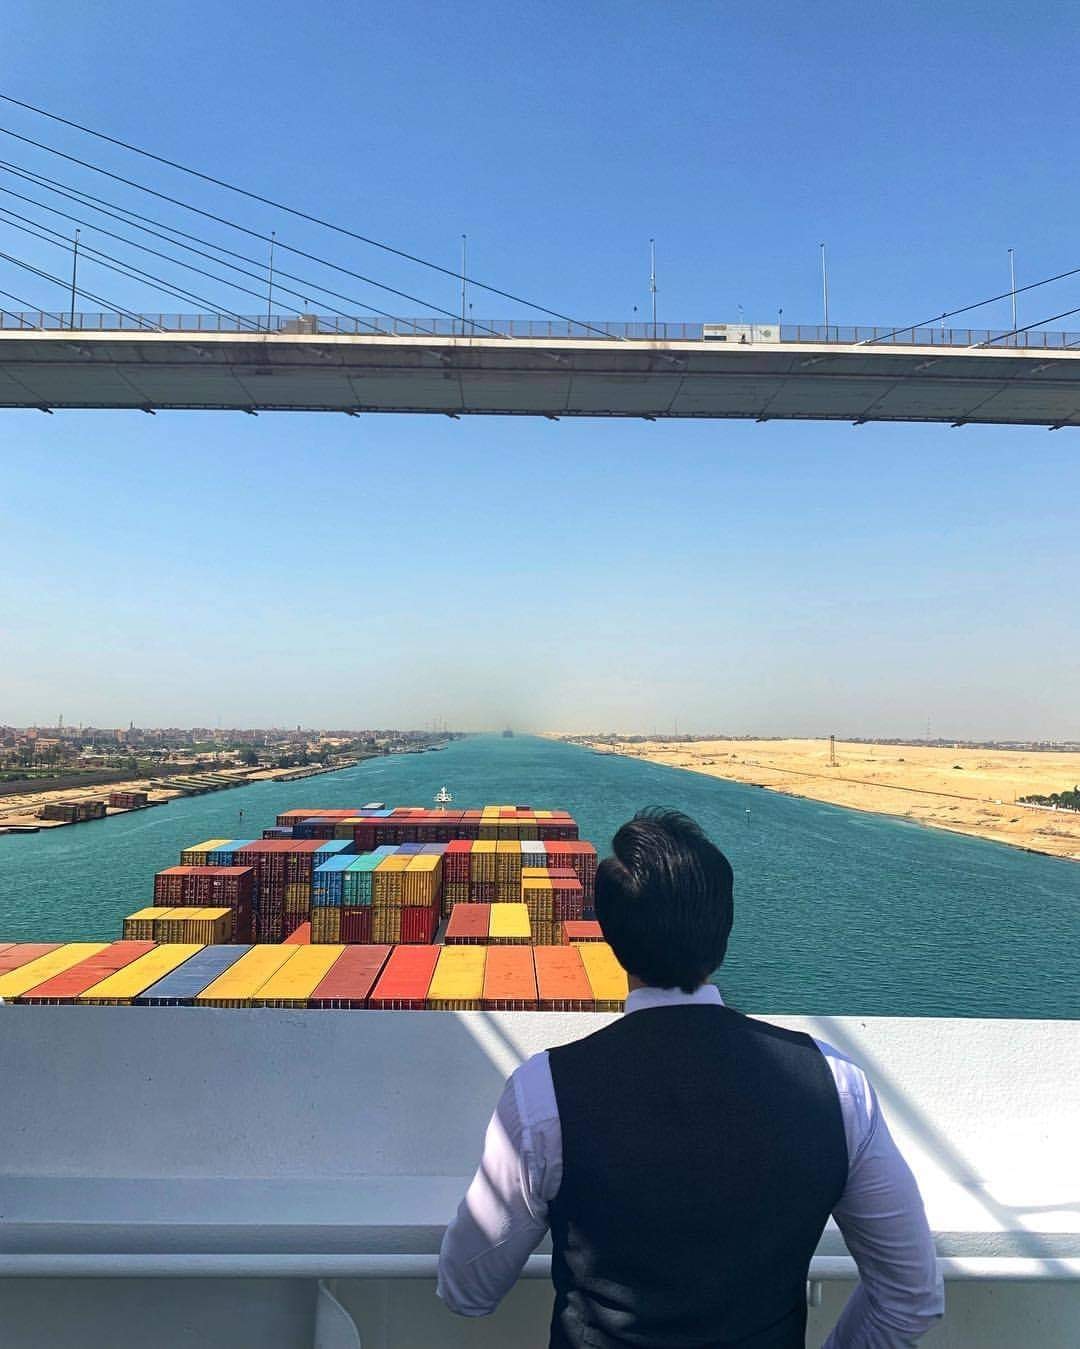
x=504 y=1214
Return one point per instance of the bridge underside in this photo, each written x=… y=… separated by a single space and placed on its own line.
x=557 y=378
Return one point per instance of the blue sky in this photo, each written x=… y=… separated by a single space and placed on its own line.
x=778 y=578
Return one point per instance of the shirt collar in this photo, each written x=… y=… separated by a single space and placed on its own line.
x=708 y=995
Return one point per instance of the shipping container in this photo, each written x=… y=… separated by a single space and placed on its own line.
x=418 y=923
x=26 y=976
x=607 y=977
x=65 y=987
x=123 y=987
x=242 y=981
x=585 y=931
x=510 y=925
x=21 y=953
x=405 y=979
x=458 y=982
x=299 y=936
x=179 y=987
x=203 y=927
x=326 y=925
x=354 y=926
x=139 y=926
x=294 y=983
x=196 y=855
x=349 y=981
x=469 y=925
x=561 y=982
x=509 y=980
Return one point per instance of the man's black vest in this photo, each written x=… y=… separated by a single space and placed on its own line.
x=702 y=1155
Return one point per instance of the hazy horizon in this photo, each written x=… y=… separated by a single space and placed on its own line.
x=787 y=578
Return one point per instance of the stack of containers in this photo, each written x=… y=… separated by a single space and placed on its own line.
x=180 y=986
x=405 y=979
x=507 y=871
x=420 y=895
x=349 y=982
x=538 y=896
x=386 y=897
x=561 y=982
x=124 y=986
x=469 y=925
x=569 y=895
x=202 y=926
x=510 y=925
x=455 y=874
x=217 y=886
x=352 y=922
x=606 y=976
x=580 y=857
x=509 y=980
x=128 y=800
x=139 y=926
x=482 y=887
x=327 y=882
x=65 y=988
x=458 y=982
x=283 y=870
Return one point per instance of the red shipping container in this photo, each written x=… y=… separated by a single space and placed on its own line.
x=509 y=980
x=583 y=931
x=298 y=932
x=468 y=925
x=418 y=923
x=406 y=977
x=561 y=982
x=21 y=953
x=66 y=986
x=349 y=982
x=356 y=925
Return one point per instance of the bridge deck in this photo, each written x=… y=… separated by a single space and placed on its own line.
x=551 y=377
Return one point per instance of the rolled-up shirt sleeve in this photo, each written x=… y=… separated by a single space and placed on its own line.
x=900 y=1294
x=503 y=1216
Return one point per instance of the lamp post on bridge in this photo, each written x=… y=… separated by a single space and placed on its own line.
x=74 y=274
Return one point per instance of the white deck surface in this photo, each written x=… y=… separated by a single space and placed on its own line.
x=288 y=1145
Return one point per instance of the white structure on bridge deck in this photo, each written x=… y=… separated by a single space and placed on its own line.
x=178 y=1176
x=581 y=376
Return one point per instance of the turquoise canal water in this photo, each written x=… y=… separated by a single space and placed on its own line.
x=835 y=911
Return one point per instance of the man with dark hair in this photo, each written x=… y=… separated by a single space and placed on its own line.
x=686 y=1158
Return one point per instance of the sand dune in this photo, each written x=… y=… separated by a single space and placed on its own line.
x=970 y=791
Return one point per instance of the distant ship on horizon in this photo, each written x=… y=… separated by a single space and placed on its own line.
x=508 y=734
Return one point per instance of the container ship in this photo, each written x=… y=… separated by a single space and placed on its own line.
x=404 y=908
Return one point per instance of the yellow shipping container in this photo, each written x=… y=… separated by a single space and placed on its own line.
x=422 y=880
x=387 y=880
x=242 y=980
x=118 y=989
x=25 y=977
x=139 y=926
x=294 y=983
x=208 y=927
x=325 y=924
x=458 y=982
x=195 y=856
x=606 y=975
x=482 y=860
x=510 y=923
x=344 y=828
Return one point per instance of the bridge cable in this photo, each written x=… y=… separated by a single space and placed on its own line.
x=244 y=229
x=121 y=214
x=303 y=215
x=133 y=243
x=111 y=307
x=951 y=313
x=126 y=269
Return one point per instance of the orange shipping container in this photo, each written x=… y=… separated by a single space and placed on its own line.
x=509 y=980
x=561 y=982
